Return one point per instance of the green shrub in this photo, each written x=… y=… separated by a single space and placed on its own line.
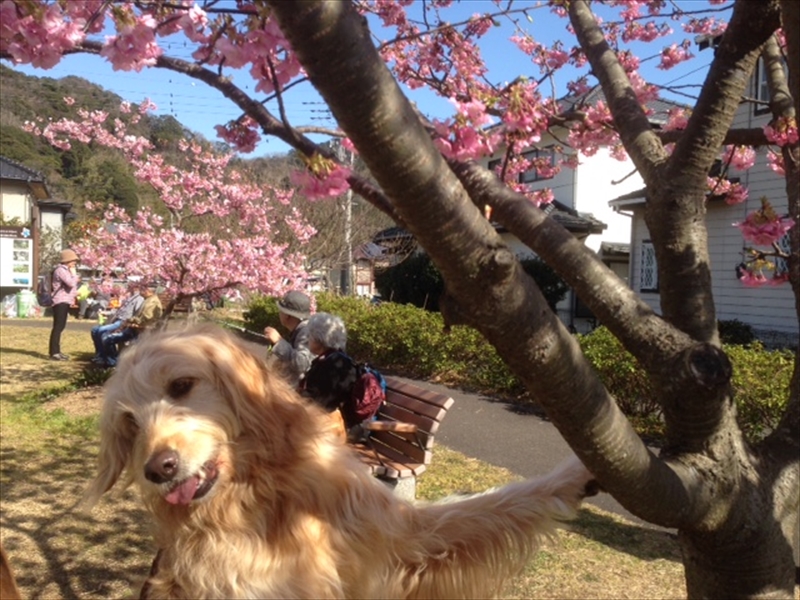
x=415 y=281
x=735 y=332
x=624 y=379
x=410 y=341
x=553 y=287
x=761 y=383
x=261 y=312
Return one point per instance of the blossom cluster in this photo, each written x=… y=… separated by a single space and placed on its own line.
x=239 y=249
x=764 y=227
x=322 y=179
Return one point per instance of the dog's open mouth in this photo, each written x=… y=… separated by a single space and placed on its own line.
x=194 y=487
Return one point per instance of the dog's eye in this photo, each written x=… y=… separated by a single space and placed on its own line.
x=178 y=388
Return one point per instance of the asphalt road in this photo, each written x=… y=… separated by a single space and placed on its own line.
x=491 y=430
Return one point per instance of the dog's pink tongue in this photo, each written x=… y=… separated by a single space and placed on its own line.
x=184 y=493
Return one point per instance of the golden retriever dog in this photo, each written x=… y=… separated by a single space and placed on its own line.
x=254 y=495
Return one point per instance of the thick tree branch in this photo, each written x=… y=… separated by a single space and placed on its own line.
x=676 y=208
x=752 y=23
x=643 y=146
x=739 y=137
x=491 y=290
x=643 y=333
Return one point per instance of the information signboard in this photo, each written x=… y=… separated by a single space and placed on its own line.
x=16 y=257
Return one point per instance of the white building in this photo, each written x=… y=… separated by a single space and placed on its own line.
x=769 y=310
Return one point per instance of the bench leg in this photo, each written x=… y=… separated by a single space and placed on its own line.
x=405 y=488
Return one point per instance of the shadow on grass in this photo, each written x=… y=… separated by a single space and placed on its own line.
x=57 y=550
x=642 y=542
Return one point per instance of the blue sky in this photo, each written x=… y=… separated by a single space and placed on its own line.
x=200 y=108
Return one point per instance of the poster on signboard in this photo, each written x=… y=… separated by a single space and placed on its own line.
x=16 y=257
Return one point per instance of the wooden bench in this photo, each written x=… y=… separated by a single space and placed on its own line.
x=399 y=443
x=184 y=306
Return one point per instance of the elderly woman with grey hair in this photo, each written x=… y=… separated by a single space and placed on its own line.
x=332 y=374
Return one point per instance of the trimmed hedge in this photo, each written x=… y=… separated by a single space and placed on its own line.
x=405 y=339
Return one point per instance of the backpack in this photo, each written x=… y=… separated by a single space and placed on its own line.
x=44 y=291
x=369 y=393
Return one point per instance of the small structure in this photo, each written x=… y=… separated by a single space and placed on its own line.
x=26 y=206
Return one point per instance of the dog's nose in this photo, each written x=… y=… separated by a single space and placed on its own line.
x=162 y=466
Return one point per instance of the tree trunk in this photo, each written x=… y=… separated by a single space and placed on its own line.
x=730 y=503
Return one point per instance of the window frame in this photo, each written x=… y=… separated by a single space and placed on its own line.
x=532 y=175
x=649 y=265
x=785 y=244
x=761 y=88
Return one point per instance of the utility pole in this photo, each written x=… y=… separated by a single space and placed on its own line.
x=346 y=278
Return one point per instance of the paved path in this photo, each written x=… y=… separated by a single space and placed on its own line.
x=493 y=431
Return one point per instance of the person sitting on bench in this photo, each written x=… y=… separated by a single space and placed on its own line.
x=148 y=315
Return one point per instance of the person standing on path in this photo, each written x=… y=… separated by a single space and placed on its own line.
x=65 y=288
x=293 y=355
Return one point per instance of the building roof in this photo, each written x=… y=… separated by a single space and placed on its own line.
x=630 y=199
x=614 y=249
x=572 y=220
x=11 y=169
x=658 y=109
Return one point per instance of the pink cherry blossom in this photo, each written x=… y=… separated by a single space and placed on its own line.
x=242 y=135
x=782 y=132
x=242 y=250
x=324 y=185
x=775 y=162
x=38 y=35
x=134 y=47
x=677 y=118
x=705 y=26
x=674 y=55
x=740 y=158
x=764 y=227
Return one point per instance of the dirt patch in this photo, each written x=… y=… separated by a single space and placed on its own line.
x=80 y=403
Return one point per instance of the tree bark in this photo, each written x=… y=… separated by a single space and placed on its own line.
x=706 y=484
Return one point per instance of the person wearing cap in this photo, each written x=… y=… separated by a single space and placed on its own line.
x=65 y=288
x=293 y=355
x=125 y=312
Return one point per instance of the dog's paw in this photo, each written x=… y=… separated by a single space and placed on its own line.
x=592 y=488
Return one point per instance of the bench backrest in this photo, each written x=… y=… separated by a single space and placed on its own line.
x=185 y=305
x=408 y=403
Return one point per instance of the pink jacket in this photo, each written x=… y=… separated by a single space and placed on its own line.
x=65 y=285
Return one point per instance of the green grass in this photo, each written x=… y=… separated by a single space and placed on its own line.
x=48 y=433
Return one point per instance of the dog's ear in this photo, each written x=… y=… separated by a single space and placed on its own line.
x=259 y=398
x=117 y=432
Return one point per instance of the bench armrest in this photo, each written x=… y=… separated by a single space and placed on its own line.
x=396 y=426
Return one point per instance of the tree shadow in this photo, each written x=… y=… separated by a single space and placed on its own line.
x=644 y=543
x=55 y=548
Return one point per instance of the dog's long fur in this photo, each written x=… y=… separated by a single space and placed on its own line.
x=293 y=513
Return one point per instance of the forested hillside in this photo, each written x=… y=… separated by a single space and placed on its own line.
x=81 y=173
x=94 y=173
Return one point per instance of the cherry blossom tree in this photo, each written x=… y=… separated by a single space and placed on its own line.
x=734 y=502
x=213 y=234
